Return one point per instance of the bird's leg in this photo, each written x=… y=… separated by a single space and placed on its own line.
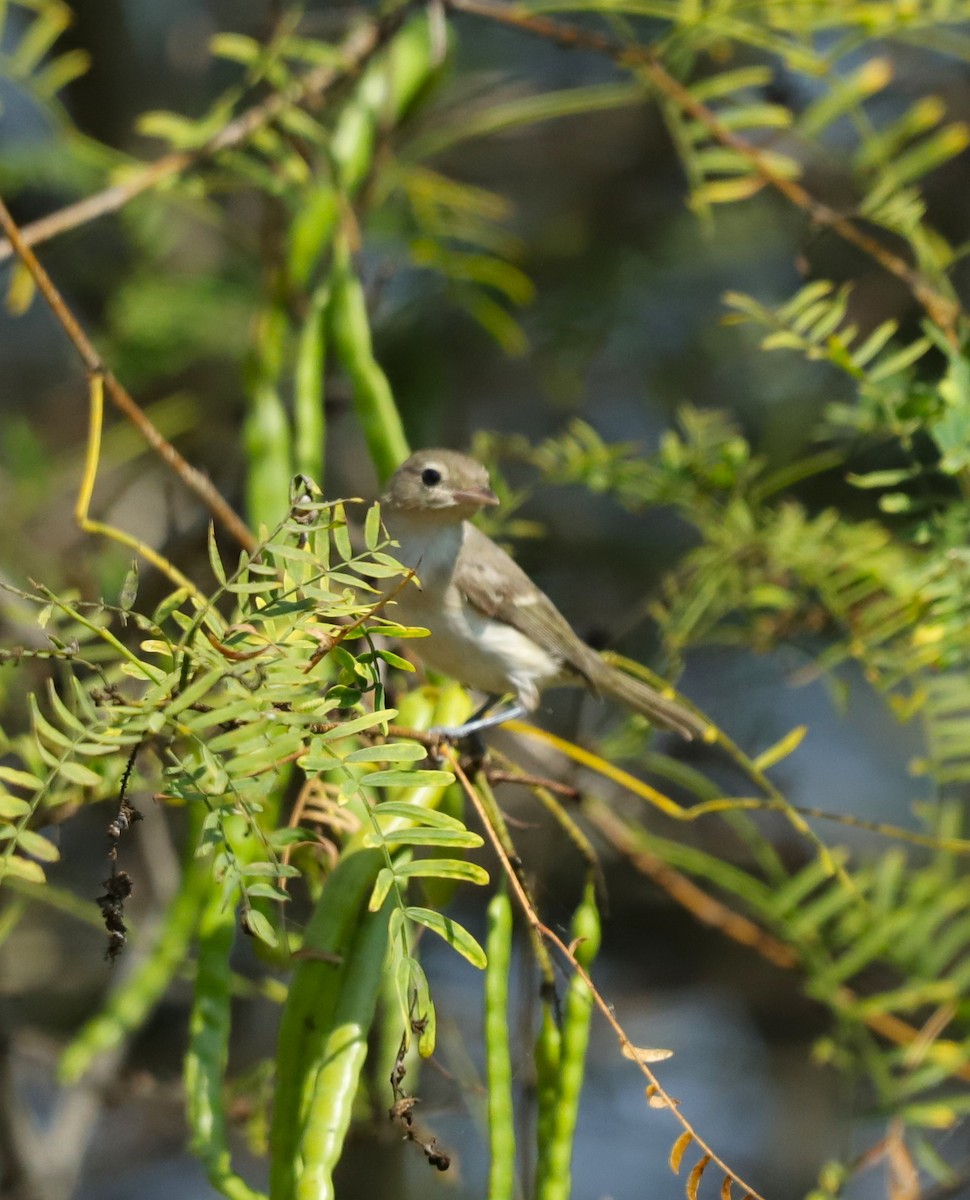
x=478 y=721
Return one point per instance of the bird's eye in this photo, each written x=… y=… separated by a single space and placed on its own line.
x=430 y=476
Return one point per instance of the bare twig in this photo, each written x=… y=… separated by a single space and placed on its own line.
x=942 y=309
x=497 y=775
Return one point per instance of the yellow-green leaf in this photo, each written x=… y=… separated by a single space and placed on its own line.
x=12 y=806
x=21 y=779
x=23 y=868
x=457 y=937
x=678 y=1149
x=78 y=773
x=33 y=844
x=781 y=749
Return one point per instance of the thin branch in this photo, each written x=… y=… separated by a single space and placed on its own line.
x=943 y=310
x=190 y=476
x=355 y=53
x=716 y=915
x=658 y=1093
x=497 y=775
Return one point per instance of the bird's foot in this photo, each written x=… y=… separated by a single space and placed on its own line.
x=468 y=736
x=470 y=746
x=477 y=724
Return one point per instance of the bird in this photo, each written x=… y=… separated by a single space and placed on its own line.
x=490 y=627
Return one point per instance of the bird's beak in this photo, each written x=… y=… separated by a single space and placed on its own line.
x=484 y=497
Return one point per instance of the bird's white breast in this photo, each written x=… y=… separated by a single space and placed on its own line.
x=480 y=651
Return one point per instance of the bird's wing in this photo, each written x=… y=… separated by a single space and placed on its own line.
x=491 y=582
x=497 y=586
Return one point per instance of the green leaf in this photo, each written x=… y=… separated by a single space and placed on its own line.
x=259 y=926
x=395 y=660
x=425 y=837
x=723 y=160
x=22 y=868
x=512 y=114
x=725 y=191
x=382 y=885
x=882 y=479
x=782 y=748
x=372 y=527
x=725 y=82
x=178 y=131
x=933 y=1115
x=78 y=773
x=215 y=561
x=236 y=47
x=928 y=154
x=442 y=868
x=457 y=937
x=129 y=588
x=21 y=779
x=377 y=570
x=952 y=431
x=42 y=32
x=168 y=606
x=753 y=116
x=418 y=813
x=253 y=587
x=44 y=729
x=12 y=807
x=896 y=363
x=341 y=534
x=68 y=719
x=881 y=147
x=409 y=779
x=311 y=50
x=359 y=724
x=266 y=890
x=61 y=71
x=846 y=95
x=391 y=752
x=271 y=869
x=199 y=688
x=38 y=847
x=875 y=342
x=423 y=1007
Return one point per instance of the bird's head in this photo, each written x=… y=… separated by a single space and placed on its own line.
x=441 y=483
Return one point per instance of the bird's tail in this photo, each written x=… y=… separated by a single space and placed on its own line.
x=640 y=697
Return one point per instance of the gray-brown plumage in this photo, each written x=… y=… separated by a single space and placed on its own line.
x=490 y=626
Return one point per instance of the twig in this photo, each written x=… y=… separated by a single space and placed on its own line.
x=355 y=53
x=82 y=507
x=942 y=309
x=190 y=476
x=658 y=1093
x=497 y=775
x=684 y=891
x=716 y=915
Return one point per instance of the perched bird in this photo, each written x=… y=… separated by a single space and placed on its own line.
x=490 y=627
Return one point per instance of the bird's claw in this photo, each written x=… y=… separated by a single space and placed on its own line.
x=447 y=733
x=469 y=742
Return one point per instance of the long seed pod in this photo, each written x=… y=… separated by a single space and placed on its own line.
x=555 y=1181
x=208 y=1050
x=501 y=1127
